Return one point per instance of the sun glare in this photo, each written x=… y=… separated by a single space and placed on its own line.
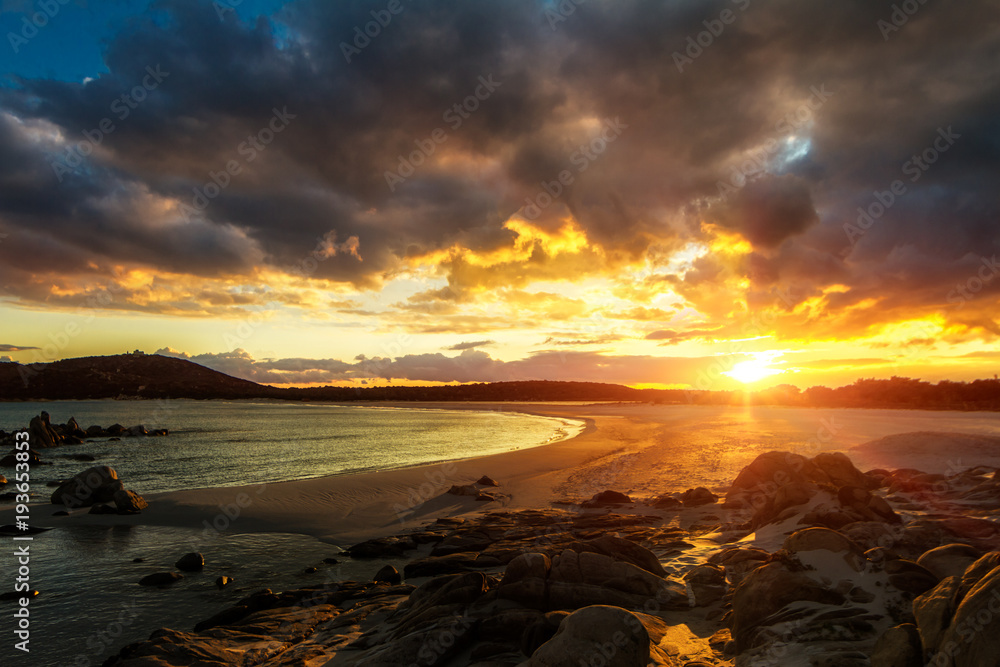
x=757 y=368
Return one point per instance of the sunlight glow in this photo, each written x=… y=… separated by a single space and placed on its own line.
x=757 y=368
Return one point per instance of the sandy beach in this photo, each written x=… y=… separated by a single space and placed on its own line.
x=643 y=450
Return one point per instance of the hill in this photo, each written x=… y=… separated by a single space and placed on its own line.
x=122 y=376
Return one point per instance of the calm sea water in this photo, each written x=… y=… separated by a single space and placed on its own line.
x=223 y=443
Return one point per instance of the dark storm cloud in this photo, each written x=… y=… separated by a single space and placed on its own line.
x=751 y=92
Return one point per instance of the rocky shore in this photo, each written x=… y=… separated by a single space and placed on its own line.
x=805 y=561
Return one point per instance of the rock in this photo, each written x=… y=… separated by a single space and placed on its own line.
x=974 y=633
x=950 y=560
x=116 y=430
x=160 y=579
x=909 y=577
x=596 y=630
x=485 y=480
x=767 y=590
x=813 y=539
x=541 y=630
x=191 y=562
x=330 y=561
x=435 y=566
x=41 y=432
x=698 y=496
x=666 y=502
x=977 y=571
x=3 y=480
x=138 y=560
x=311 y=569
x=840 y=470
x=792 y=494
x=136 y=430
x=96 y=431
x=622 y=550
x=97 y=484
x=60 y=513
x=607 y=498
x=11 y=459
x=382 y=547
x=101 y=508
x=898 y=647
x=707 y=583
x=129 y=502
x=223 y=581
x=579 y=579
x=73 y=429
x=389 y=575
x=524 y=580
x=933 y=611
x=867 y=505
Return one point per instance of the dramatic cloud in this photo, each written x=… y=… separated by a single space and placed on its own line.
x=806 y=176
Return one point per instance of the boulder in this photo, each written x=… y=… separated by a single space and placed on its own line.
x=389 y=575
x=136 y=430
x=840 y=470
x=382 y=547
x=707 y=583
x=9 y=461
x=977 y=571
x=160 y=579
x=129 y=502
x=223 y=581
x=766 y=590
x=909 y=577
x=607 y=498
x=41 y=432
x=698 y=496
x=597 y=630
x=950 y=560
x=973 y=638
x=486 y=480
x=93 y=485
x=898 y=646
x=665 y=502
x=623 y=550
x=933 y=611
x=813 y=539
x=541 y=629
x=759 y=481
x=191 y=562
x=95 y=431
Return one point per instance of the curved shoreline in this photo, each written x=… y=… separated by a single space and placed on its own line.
x=344 y=507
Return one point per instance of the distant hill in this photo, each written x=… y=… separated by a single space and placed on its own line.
x=122 y=376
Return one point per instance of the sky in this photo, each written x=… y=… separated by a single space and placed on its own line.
x=708 y=195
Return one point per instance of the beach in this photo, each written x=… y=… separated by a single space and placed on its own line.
x=643 y=450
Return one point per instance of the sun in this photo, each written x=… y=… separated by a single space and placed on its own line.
x=757 y=368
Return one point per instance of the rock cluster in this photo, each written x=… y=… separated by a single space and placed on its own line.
x=831 y=571
x=96 y=486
